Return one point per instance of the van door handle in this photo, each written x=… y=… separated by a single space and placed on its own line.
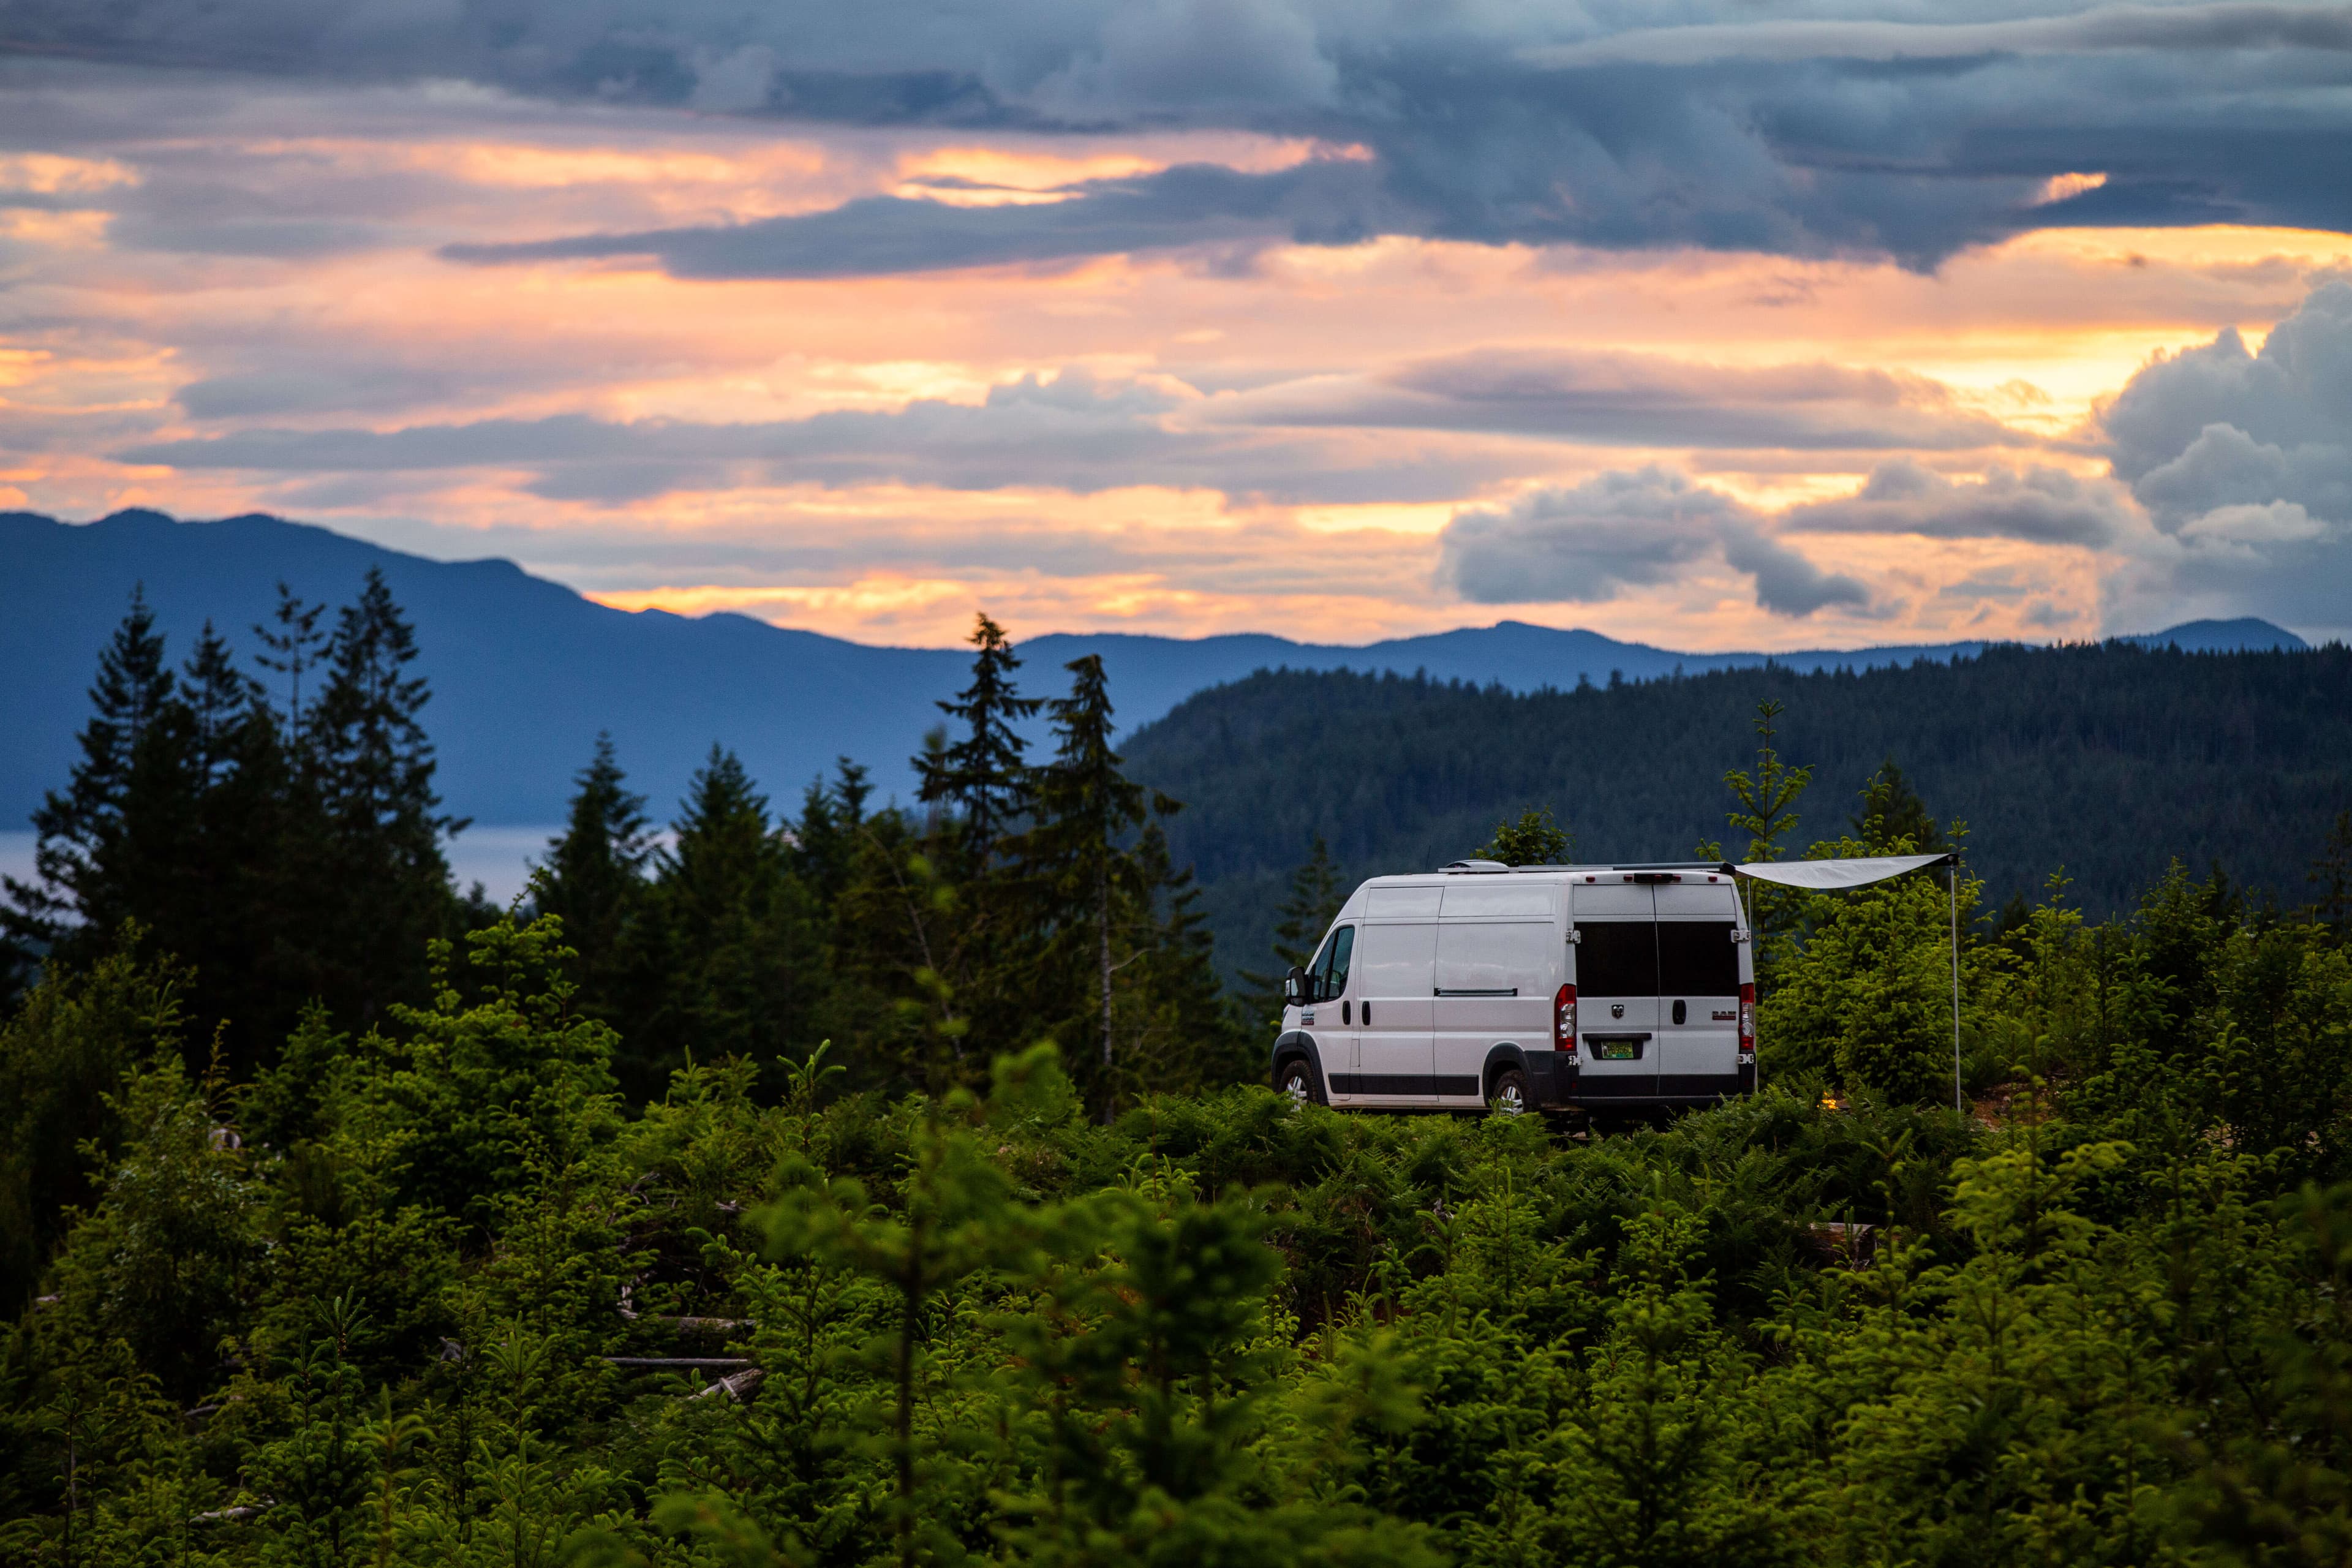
x=1367 y=1014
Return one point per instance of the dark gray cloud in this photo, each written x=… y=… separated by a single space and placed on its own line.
x=2244 y=462
x=1624 y=529
x=2234 y=25
x=1811 y=137
x=1319 y=203
x=2041 y=505
x=1786 y=582
x=343 y=386
x=1077 y=432
x=1639 y=399
x=2218 y=426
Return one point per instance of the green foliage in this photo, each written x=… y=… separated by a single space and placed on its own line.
x=2100 y=1322
x=1866 y=1001
x=63 y=1058
x=1535 y=839
x=2331 y=874
x=477 y=1277
x=1892 y=816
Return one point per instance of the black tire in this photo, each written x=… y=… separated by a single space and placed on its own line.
x=1508 y=1093
x=1297 y=1077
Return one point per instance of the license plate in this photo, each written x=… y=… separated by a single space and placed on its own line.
x=1616 y=1050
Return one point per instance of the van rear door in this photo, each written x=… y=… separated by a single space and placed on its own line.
x=1616 y=988
x=1698 y=990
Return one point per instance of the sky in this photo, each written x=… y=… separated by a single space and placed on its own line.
x=1711 y=323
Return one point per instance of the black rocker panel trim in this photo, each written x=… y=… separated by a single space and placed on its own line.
x=1421 y=1085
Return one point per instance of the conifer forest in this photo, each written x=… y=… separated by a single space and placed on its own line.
x=831 y=1182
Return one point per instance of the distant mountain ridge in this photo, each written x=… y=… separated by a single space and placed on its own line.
x=525 y=671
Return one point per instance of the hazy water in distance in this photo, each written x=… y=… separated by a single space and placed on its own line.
x=497 y=857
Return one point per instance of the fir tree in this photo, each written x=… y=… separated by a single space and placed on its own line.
x=1186 y=1040
x=1535 y=839
x=982 y=775
x=85 y=874
x=595 y=871
x=2332 y=875
x=1767 y=798
x=294 y=646
x=1085 y=807
x=226 y=915
x=1764 y=807
x=1306 y=913
x=173 y=820
x=369 y=765
x=733 y=942
x=1891 y=813
x=824 y=840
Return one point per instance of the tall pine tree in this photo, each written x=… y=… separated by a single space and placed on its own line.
x=86 y=860
x=594 y=874
x=294 y=645
x=982 y=775
x=1123 y=952
x=1085 y=809
x=220 y=909
x=730 y=937
x=368 y=764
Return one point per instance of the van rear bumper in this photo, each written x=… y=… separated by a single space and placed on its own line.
x=1555 y=1080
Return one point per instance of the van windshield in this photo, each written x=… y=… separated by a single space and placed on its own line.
x=1330 y=965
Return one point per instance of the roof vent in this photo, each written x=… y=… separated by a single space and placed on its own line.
x=1476 y=867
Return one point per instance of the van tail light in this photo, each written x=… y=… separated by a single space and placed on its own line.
x=1563 y=1020
x=1747 y=1023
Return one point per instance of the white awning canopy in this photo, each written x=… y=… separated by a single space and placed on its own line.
x=1828 y=876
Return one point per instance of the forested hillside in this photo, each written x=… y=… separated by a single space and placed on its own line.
x=861 y=1186
x=436 y=1293
x=2108 y=761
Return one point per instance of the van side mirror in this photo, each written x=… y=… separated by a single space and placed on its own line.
x=1299 y=986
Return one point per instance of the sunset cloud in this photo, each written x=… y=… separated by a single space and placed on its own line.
x=1312 y=316
x=1626 y=531
x=1791 y=136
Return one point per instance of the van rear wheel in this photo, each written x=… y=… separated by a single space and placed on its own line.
x=1508 y=1093
x=1295 y=1079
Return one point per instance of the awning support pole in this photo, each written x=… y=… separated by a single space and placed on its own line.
x=1952 y=871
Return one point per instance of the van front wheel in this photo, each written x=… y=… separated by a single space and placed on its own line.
x=1508 y=1094
x=1295 y=1081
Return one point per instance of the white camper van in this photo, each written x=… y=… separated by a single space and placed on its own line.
x=1602 y=988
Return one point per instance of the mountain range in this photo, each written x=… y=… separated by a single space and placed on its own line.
x=525 y=671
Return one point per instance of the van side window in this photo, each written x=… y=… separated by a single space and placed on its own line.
x=1697 y=958
x=1618 y=958
x=1330 y=966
